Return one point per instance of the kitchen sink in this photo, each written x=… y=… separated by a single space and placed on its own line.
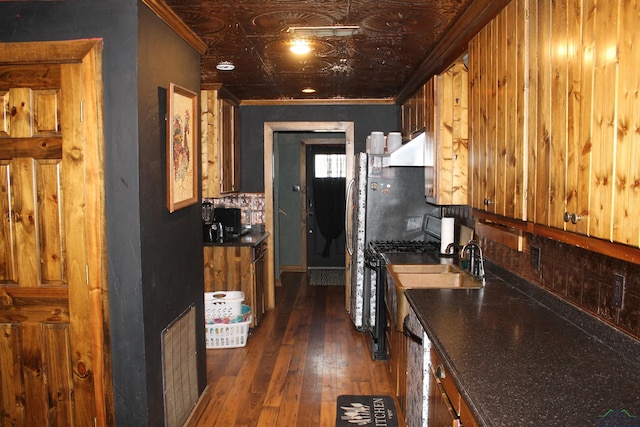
x=423 y=268
x=432 y=276
x=422 y=276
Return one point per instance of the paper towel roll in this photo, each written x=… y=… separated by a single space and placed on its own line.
x=446 y=233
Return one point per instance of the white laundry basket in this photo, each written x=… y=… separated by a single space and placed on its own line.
x=222 y=304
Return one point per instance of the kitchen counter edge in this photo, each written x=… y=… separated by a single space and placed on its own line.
x=253 y=238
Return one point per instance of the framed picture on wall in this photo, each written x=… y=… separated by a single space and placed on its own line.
x=182 y=151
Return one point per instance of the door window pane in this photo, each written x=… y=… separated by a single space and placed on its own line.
x=330 y=165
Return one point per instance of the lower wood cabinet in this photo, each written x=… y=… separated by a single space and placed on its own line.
x=237 y=268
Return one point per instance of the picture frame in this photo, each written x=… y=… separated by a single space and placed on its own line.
x=182 y=149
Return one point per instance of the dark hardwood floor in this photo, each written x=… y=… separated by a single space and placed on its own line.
x=302 y=356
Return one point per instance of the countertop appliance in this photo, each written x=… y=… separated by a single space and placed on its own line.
x=231 y=220
x=385 y=204
x=211 y=230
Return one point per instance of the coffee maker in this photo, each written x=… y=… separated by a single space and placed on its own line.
x=231 y=221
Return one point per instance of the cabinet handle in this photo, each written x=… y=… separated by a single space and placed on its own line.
x=488 y=202
x=574 y=218
x=408 y=333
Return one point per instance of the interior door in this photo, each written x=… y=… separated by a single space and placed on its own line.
x=53 y=358
x=325 y=205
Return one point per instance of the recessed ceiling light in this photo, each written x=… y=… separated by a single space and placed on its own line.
x=308 y=90
x=300 y=47
x=225 y=66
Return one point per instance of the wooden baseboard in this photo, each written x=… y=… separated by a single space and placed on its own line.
x=198 y=410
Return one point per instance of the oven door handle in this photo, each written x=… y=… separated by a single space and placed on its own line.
x=409 y=333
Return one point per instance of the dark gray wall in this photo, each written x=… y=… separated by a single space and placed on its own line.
x=366 y=118
x=154 y=258
x=172 y=265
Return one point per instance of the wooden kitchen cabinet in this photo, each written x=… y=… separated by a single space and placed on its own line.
x=413 y=114
x=238 y=268
x=582 y=146
x=446 y=128
x=551 y=118
x=498 y=111
x=220 y=144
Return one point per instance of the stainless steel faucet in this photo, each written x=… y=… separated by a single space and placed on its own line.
x=476 y=260
x=451 y=249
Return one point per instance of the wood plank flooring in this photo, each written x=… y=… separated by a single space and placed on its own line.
x=303 y=355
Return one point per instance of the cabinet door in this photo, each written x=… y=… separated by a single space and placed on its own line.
x=419 y=110
x=210 y=146
x=219 y=144
x=560 y=139
x=413 y=114
x=498 y=108
x=446 y=178
x=229 y=148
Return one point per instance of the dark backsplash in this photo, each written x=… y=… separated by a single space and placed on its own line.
x=581 y=277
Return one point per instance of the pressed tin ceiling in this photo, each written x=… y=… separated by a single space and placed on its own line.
x=397 y=43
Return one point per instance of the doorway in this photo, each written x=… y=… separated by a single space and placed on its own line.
x=325 y=182
x=269 y=178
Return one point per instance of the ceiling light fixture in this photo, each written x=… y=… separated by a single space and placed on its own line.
x=325 y=31
x=225 y=66
x=300 y=47
x=308 y=90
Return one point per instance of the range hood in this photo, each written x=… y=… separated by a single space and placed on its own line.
x=413 y=153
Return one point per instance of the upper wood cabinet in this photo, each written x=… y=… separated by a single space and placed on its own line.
x=446 y=128
x=413 y=114
x=554 y=117
x=220 y=145
x=497 y=114
x=584 y=140
x=559 y=130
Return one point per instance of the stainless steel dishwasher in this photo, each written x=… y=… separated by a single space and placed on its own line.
x=417 y=371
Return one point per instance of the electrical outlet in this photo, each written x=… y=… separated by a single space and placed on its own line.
x=535 y=258
x=618 y=290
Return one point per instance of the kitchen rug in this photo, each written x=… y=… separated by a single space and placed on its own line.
x=374 y=411
x=326 y=277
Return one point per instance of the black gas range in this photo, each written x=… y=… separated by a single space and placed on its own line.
x=375 y=256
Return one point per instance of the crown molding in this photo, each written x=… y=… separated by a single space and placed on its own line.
x=160 y=8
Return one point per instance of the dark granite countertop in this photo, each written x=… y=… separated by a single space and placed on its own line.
x=522 y=357
x=250 y=239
